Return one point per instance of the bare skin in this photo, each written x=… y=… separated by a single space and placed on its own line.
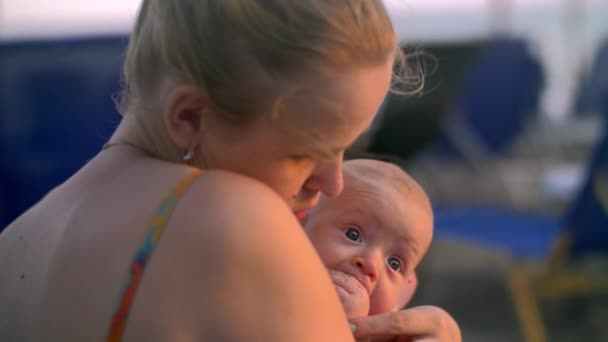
x=62 y=263
x=372 y=236
x=62 y=300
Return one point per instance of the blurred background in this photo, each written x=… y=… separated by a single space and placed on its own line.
x=508 y=137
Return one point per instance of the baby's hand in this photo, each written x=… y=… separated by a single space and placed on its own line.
x=352 y=294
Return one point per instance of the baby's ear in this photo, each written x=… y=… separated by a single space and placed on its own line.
x=412 y=284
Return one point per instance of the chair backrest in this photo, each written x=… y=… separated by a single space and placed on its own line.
x=586 y=221
x=409 y=124
x=496 y=98
x=57 y=111
x=593 y=91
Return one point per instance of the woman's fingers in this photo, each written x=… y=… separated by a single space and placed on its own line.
x=411 y=322
x=424 y=323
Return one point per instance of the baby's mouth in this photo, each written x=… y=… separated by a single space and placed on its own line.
x=348 y=282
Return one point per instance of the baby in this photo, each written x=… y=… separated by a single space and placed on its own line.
x=372 y=236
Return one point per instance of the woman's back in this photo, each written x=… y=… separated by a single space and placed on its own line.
x=61 y=269
x=62 y=281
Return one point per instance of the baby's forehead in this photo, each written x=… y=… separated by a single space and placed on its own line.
x=373 y=195
x=382 y=180
x=375 y=205
x=362 y=168
x=384 y=192
x=381 y=173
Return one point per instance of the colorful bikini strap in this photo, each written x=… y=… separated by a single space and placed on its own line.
x=143 y=253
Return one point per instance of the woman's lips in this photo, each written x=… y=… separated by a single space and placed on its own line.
x=301 y=214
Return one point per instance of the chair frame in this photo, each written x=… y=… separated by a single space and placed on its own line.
x=556 y=280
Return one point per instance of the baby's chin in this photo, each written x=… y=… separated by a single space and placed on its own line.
x=352 y=294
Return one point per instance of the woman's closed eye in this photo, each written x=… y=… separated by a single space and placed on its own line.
x=298 y=158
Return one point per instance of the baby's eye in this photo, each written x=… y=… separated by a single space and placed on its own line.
x=394 y=263
x=353 y=234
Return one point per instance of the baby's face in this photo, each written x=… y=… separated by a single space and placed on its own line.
x=371 y=238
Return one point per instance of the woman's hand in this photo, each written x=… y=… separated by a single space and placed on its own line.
x=420 y=324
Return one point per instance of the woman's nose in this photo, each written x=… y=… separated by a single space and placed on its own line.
x=328 y=178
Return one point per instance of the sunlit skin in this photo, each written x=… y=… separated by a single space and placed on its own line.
x=318 y=121
x=372 y=236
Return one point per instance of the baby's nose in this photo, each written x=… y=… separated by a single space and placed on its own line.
x=369 y=265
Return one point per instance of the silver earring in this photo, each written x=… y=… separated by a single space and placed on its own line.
x=188 y=153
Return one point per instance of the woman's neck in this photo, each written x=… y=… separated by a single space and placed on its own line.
x=148 y=137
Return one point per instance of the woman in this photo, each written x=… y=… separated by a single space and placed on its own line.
x=236 y=117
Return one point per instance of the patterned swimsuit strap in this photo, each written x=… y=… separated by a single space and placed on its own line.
x=142 y=255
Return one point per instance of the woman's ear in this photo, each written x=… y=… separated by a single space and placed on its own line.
x=184 y=115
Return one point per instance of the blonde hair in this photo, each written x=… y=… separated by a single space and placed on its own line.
x=242 y=52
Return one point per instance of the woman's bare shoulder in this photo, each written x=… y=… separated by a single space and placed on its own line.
x=234 y=264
